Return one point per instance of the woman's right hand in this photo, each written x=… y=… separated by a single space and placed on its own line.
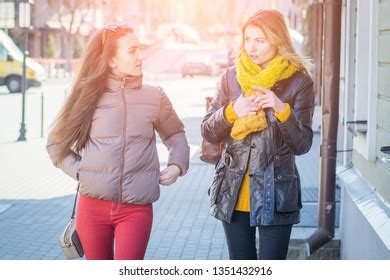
x=246 y=106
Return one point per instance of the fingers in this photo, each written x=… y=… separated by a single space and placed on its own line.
x=258 y=98
x=251 y=105
x=168 y=176
x=262 y=89
x=169 y=170
x=165 y=176
x=261 y=93
x=267 y=104
x=247 y=106
x=253 y=99
x=250 y=98
x=266 y=98
x=254 y=108
x=165 y=179
x=167 y=182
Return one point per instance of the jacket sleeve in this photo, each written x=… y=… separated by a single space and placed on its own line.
x=297 y=129
x=70 y=165
x=171 y=130
x=215 y=126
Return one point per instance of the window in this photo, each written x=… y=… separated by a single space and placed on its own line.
x=3 y=53
x=366 y=78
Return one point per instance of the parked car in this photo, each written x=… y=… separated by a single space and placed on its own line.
x=192 y=68
x=11 y=69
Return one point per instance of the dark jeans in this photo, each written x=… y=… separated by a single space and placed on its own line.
x=241 y=239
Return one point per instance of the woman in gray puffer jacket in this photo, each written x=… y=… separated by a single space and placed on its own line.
x=104 y=137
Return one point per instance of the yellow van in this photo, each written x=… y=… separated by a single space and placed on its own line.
x=11 y=66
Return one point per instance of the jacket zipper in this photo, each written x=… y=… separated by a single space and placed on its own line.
x=123 y=142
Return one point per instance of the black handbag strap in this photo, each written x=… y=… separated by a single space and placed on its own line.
x=75 y=201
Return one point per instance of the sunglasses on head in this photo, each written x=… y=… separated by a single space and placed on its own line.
x=114 y=27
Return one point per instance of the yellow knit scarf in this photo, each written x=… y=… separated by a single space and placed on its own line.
x=250 y=74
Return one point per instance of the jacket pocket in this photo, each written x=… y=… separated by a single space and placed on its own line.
x=216 y=184
x=286 y=190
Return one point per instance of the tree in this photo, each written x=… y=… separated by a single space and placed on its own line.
x=72 y=14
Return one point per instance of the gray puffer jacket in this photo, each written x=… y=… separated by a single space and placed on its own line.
x=119 y=161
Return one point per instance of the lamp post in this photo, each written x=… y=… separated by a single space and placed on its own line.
x=24 y=23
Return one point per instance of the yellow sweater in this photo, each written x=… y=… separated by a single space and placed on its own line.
x=244 y=195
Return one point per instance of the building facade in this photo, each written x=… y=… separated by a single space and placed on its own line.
x=364 y=127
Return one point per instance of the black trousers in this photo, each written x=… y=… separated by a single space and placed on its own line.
x=241 y=239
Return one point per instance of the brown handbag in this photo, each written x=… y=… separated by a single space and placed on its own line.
x=209 y=152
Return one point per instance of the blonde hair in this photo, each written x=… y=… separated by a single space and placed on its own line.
x=273 y=25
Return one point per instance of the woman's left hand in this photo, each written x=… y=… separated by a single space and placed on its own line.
x=169 y=175
x=268 y=99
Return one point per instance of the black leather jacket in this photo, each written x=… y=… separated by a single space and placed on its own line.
x=275 y=190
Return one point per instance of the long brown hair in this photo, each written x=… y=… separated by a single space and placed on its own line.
x=275 y=29
x=72 y=126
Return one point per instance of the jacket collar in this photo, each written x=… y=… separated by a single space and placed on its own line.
x=115 y=83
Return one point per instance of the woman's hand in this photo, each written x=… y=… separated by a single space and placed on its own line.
x=267 y=99
x=245 y=106
x=169 y=175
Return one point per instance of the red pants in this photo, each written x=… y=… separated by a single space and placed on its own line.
x=100 y=222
